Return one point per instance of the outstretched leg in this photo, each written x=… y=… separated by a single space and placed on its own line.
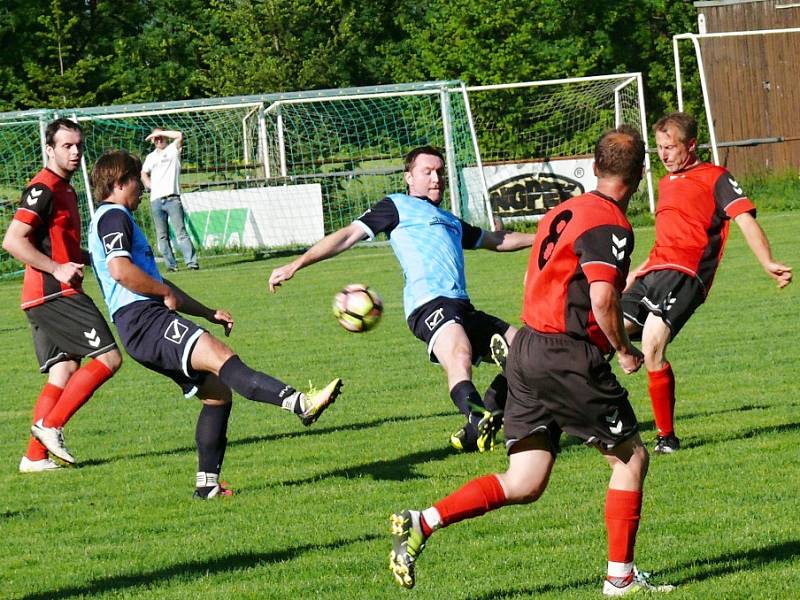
x=530 y=464
x=212 y=356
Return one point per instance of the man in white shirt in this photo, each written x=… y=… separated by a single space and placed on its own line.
x=161 y=173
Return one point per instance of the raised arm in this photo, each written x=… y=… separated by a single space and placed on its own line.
x=329 y=246
x=172 y=134
x=506 y=241
x=759 y=245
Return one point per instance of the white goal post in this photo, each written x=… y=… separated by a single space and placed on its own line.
x=695 y=39
x=537 y=138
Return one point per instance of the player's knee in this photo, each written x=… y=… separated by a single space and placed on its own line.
x=638 y=463
x=522 y=491
x=112 y=360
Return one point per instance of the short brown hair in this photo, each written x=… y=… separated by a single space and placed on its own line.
x=112 y=168
x=620 y=153
x=685 y=123
x=55 y=126
x=411 y=157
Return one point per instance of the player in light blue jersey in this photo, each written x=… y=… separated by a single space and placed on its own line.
x=144 y=308
x=429 y=242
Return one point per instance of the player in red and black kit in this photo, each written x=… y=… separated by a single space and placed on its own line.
x=558 y=372
x=67 y=327
x=696 y=202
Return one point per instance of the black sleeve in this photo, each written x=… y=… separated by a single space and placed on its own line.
x=726 y=192
x=115 y=230
x=609 y=245
x=38 y=198
x=381 y=218
x=470 y=235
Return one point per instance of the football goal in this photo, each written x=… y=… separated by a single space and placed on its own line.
x=537 y=138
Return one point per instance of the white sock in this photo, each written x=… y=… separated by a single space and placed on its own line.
x=432 y=518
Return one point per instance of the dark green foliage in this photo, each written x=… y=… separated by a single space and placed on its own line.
x=61 y=53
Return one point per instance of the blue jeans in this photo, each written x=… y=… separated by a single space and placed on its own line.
x=170 y=208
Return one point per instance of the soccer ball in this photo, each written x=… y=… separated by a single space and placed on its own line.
x=357 y=308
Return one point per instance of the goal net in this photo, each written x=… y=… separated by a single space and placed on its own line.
x=279 y=171
x=21 y=156
x=537 y=138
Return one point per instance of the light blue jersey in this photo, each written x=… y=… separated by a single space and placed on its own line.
x=113 y=233
x=427 y=241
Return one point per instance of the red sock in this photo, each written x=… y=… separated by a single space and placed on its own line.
x=78 y=390
x=44 y=404
x=475 y=498
x=623 y=511
x=662 y=396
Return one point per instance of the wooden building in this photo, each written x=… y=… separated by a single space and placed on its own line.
x=753 y=82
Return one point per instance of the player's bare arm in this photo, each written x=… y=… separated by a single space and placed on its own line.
x=759 y=244
x=331 y=245
x=506 y=241
x=192 y=306
x=167 y=133
x=632 y=274
x=17 y=242
x=607 y=311
x=135 y=279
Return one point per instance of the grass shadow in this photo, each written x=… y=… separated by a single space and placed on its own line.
x=283 y=436
x=402 y=468
x=117 y=584
x=701 y=570
x=739 y=435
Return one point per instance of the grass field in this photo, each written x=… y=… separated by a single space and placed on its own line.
x=310 y=514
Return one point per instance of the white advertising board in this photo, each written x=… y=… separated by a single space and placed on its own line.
x=256 y=217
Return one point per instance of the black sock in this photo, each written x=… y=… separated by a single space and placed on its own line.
x=464 y=394
x=253 y=385
x=496 y=394
x=210 y=436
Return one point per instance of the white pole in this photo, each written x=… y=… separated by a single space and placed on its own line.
x=262 y=141
x=648 y=171
x=86 y=183
x=281 y=147
x=478 y=161
x=712 y=133
x=43 y=140
x=246 y=145
x=452 y=178
x=505 y=86
x=676 y=57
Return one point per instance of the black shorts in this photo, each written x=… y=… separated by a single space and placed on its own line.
x=432 y=317
x=161 y=340
x=557 y=383
x=669 y=294
x=68 y=328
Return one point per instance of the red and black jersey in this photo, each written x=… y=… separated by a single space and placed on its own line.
x=580 y=241
x=692 y=220
x=50 y=206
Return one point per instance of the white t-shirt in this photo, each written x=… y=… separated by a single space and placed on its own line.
x=164 y=168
